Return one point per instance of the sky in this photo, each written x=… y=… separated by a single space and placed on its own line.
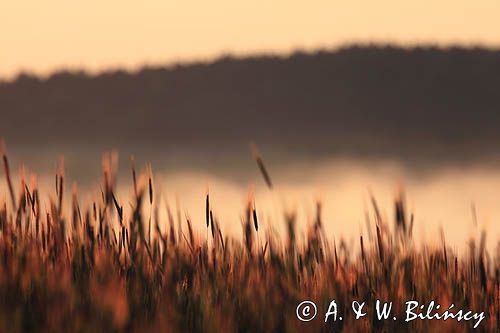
x=43 y=36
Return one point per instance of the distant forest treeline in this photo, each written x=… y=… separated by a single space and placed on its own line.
x=425 y=102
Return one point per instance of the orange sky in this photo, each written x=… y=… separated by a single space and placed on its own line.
x=41 y=36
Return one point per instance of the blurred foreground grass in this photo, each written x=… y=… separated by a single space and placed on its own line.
x=115 y=265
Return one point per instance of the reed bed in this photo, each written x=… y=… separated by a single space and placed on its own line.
x=114 y=265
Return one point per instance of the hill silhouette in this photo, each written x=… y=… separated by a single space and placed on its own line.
x=421 y=103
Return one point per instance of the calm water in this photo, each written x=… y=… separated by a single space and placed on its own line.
x=442 y=197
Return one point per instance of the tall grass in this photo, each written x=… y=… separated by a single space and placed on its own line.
x=108 y=265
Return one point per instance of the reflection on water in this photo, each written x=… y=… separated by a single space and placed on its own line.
x=443 y=198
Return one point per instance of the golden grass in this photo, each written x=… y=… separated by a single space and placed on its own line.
x=103 y=268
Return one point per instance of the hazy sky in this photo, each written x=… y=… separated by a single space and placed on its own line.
x=42 y=36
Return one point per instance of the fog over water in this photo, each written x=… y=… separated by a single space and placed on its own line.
x=439 y=197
